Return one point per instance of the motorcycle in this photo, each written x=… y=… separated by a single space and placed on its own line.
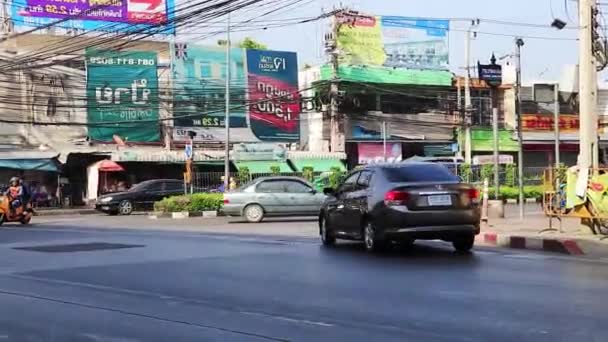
x=22 y=213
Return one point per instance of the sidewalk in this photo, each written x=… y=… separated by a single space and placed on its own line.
x=511 y=232
x=64 y=211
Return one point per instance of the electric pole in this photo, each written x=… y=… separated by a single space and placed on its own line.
x=467 y=92
x=336 y=136
x=520 y=140
x=592 y=58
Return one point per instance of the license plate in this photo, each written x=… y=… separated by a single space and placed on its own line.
x=440 y=200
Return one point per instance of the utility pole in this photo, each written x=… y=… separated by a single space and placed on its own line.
x=227 y=114
x=556 y=110
x=467 y=92
x=520 y=151
x=336 y=142
x=587 y=86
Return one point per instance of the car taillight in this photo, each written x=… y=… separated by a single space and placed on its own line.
x=226 y=201
x=473 y=194
x=396 y=197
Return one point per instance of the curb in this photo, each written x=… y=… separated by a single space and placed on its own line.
x=567 y=246
x=62 y=212
x=183 y=215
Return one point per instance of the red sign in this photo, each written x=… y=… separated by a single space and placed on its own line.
x=543 y=123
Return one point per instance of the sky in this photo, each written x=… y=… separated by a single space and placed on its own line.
x=542 y=59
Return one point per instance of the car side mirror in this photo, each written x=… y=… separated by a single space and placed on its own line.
x=312 y=191
x=329 y=191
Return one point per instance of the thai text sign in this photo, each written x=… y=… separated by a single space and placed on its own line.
x=94 y=14
x=273 y=91
x=122 y=96
x=393 y=42
x=539 y=122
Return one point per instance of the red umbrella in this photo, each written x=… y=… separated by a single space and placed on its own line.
x=110 y=166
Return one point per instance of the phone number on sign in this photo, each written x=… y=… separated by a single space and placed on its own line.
x=122 y=61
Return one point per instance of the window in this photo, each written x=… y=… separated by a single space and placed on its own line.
x=419 y=173
x=297 y=187
x=352 y=179
x=273 y=186
x=174 y=186
x=156 y=186
x=364 y=179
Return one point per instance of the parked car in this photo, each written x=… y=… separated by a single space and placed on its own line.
x=139 y=197
x=273 y=196
x=401 y=202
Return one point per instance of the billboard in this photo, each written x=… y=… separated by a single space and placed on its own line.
x=273 y=89
x=95 y=15
x=393 y=42
x=122 y=87
x=263 y=94
x=374 y=153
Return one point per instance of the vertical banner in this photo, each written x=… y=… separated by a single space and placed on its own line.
x=122 y=87
x=273 y=93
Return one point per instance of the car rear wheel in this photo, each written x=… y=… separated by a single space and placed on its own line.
x=125 y=207
x=464 y=244
x=327 y=235
x=371 y=240
x=254 y=213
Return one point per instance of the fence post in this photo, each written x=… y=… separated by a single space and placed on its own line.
x=484 y=205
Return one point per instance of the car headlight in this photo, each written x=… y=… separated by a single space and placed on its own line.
x=105 y=199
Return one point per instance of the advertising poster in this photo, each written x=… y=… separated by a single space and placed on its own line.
x=393 y=42
x=199 y=92
x=373 y=153
x=95 y=15
x=273 y=91
x=122 y=87
x=263 y=94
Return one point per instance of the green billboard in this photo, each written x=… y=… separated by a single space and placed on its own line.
x=122 y=96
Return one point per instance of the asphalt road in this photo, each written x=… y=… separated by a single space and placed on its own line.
x=272 y=282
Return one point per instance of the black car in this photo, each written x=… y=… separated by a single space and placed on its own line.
x=140 y=196
x=401 y=202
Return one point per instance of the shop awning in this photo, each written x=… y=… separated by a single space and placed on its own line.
x=30 y=161
x=263 y=166
x=318 y=165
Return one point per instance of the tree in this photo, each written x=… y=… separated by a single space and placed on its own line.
x=249 y=43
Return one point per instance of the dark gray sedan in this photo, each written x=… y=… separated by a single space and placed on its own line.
x=273 y=196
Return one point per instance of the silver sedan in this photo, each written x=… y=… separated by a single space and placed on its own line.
x=273 y=196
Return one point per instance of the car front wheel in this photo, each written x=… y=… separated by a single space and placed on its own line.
x=125 y=207
x=327 y=235
x=464 y=244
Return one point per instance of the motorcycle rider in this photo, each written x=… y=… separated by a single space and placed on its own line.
x=15 y=193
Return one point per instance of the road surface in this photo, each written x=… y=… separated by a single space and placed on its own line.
x=97 y=278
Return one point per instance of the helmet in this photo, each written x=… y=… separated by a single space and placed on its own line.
x=14 y=180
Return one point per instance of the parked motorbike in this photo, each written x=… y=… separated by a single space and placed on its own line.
x=22 y=213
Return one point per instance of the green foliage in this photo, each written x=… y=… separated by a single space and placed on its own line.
x=561 y=172
x=487 y=171
x=466 y=172
x=275 y=170
x=190 y=203
x=249 y=43
x=243 y=175
x=510 y=192
x=510 y=175
x=308 y=173
x=335 y=177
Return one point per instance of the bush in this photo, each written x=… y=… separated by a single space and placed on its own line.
x=308 y=173
x=465 y=172
x=511 y=192
x=335 y=177
x=275 y=170
x=191 y=203
x=243 y=175
x=510 y=175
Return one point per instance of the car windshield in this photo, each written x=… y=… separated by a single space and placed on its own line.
x=420 y=173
